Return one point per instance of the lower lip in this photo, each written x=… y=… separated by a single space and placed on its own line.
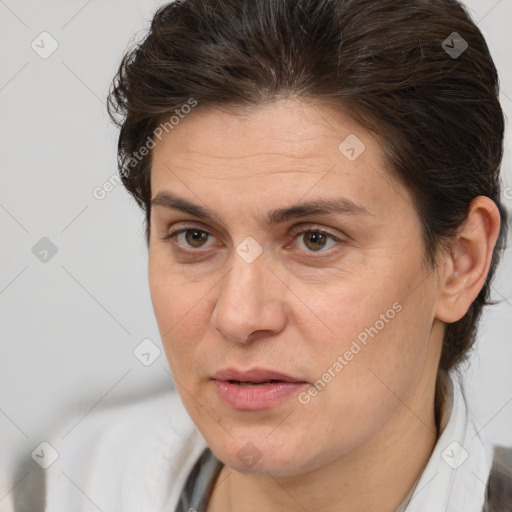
x=256 y=397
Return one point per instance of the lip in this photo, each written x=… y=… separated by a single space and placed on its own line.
x=258 y=397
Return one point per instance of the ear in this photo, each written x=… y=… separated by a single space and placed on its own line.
x=467 y=263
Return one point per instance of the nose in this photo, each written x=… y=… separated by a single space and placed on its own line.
x=249 y=304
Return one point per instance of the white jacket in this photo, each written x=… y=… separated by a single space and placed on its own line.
x=136 y=458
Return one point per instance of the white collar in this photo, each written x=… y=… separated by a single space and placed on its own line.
x=455 y=477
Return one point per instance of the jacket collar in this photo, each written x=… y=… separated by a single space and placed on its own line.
x=456 y=473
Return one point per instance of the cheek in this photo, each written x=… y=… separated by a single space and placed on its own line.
x=350 y=307
x=372 y=360
x=180 y=311
x=367 y=326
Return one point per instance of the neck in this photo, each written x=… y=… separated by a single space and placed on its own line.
x=375 y=477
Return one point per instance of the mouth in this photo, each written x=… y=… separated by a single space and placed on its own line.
x=256 y=388
x=253 y=376
x=251 y=384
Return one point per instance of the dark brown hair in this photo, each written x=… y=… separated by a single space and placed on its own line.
x=395 y=65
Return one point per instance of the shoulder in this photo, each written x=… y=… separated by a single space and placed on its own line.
x=499 y=486
x=134 y=456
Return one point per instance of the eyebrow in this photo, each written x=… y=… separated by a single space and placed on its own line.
x=273 y=217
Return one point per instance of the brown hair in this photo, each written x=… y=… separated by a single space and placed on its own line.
x=395 y=65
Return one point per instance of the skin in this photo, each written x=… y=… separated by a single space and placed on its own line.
x=362 y=441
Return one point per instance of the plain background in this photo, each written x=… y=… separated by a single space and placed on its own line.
x=69 y=325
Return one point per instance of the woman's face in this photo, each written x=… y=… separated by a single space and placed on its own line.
x=265 y=282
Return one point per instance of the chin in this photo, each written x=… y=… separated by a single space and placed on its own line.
x=279 y=458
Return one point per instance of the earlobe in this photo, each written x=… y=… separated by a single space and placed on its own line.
x=466 y=266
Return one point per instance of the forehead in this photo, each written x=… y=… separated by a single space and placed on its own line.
x=291 y=128
x=285 y=150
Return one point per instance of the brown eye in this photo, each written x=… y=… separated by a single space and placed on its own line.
x=196 y=237
x=192 y=238
x=314 y=240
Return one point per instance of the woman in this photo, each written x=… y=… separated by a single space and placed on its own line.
x=320 y=182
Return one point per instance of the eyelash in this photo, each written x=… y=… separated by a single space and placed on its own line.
x=295 y=232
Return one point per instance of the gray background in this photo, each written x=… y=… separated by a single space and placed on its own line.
x=69 y=325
